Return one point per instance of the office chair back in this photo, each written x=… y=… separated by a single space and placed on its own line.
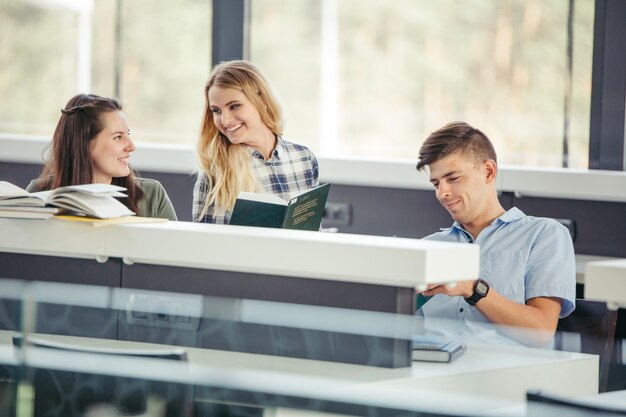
x=590 y=329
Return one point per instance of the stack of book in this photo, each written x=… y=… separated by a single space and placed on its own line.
x=87 y=200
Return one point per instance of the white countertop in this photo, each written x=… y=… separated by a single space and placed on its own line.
x=335 y=256
x=606 y=281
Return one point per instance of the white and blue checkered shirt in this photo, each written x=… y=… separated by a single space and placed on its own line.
x=290 y=170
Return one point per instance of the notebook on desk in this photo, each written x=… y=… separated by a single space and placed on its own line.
x=174 y=353
x=436 y=348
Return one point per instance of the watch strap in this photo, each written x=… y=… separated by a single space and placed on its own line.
x=477 y=295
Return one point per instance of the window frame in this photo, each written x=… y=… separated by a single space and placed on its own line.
x=608 y=87
x=608 y=91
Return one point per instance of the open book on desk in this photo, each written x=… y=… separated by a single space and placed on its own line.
x=303 y=212
x=436 y=348
x=93 y=200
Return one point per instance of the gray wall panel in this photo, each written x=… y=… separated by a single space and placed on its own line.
x=601 y=226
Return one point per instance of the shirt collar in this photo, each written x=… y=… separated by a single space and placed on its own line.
x=509 y=216
x=278 y=152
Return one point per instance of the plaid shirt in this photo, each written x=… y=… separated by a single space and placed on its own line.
x=290 y=170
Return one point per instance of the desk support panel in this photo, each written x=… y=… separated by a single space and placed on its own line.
x=230 y=333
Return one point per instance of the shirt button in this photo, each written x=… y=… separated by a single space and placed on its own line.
x=461 y=310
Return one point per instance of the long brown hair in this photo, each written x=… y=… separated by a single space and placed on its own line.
x=70 y=161
x=227 y=166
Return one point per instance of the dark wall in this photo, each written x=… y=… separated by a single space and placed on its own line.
x=600 y=227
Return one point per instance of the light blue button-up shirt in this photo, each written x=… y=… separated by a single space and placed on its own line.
x=521 y=257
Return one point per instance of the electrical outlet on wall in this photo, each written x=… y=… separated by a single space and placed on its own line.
x=173 y=311
x=337 y=214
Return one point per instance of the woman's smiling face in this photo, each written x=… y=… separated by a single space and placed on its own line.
x=110 y=150
x=237 y=118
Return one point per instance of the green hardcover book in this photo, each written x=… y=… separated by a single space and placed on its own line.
x=421 y=299
x=303 y=212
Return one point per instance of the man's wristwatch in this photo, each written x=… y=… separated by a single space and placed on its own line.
x=481 y=288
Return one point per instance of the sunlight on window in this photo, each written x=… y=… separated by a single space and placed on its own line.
x=137 y=51
x=365 y=78
x=372 y=78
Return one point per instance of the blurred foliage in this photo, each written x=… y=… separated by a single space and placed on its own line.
x=164 y=50
x=405 y=68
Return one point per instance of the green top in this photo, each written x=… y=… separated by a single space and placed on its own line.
x=154 y=203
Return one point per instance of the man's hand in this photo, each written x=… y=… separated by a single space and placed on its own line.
x=533 y=323
x=461 y=288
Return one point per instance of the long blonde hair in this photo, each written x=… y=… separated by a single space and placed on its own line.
x=227 y=166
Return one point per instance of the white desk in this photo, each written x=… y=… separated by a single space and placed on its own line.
x=503 y=374
x=345 y=271
x=581 y=264
x=334 y=256
x=606 y=281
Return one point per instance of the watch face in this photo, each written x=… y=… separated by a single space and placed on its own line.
x=481 y=288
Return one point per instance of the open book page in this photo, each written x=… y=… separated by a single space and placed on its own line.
x=12 y=195
x=90 y=199
x=262 y=198
x=91 y=188
x=102 y=207
x=8 y=189
x=109 y=189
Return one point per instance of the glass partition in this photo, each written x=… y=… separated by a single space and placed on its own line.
x=81 y=350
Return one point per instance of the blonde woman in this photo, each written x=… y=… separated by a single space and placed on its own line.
x=240 y=146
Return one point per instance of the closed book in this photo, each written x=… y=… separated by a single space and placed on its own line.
x=436 y=349
x=40 y=213
x=303 y=211
x=421 y=299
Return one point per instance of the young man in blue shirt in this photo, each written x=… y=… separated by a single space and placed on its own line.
x=527 y=266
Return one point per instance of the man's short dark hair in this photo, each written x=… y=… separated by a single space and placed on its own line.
x=455 y=137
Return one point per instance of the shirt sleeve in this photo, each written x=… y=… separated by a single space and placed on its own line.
x=155 y=201
x=165 y=207
x=316 y=170
x=200 y=192
x=551 y=267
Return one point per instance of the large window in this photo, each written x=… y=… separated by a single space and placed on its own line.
x=373 y=77
x=367 y=78
x=152 y=55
